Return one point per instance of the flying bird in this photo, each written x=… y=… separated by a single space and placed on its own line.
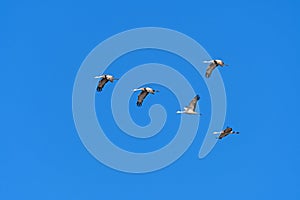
x=212 y=65
x=143 y=94
x=225 y=132
x=191 y=108
x=104 y=79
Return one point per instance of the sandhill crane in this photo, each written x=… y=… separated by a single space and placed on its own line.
x=104 y=80
x=191 y=108
x=212 y=65
x=225 y=132
x=143 y=94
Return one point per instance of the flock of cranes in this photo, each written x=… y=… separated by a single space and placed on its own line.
x=190 y=109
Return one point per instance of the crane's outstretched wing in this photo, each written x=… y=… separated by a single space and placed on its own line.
x=227 y=130
x=193 y=103
x=141 y=98
x=223 y=134
x=209 y=69
x=101 y=84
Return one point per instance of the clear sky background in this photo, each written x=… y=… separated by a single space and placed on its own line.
x=42 y=45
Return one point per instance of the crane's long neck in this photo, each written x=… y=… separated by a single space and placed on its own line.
x=137 y=89
x=180 y=112
x=102 y=76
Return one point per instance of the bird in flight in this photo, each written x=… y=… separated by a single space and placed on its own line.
x=225 y=132
x=104 y=79
x=143 y=94
x=191 y=108
x=212 y=65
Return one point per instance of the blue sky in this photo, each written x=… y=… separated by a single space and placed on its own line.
x=42 y=46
